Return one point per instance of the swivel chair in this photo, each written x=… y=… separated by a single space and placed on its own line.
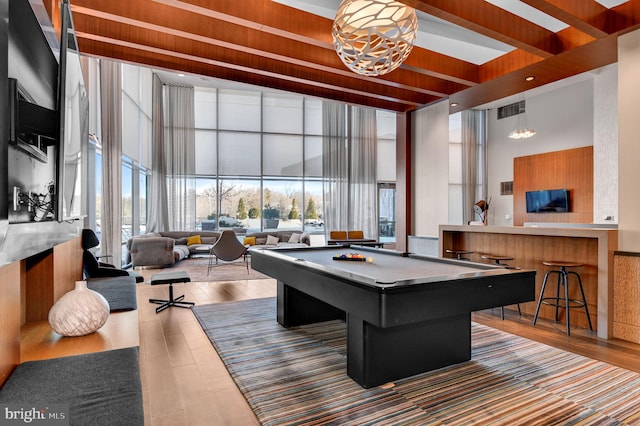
x=93 y=268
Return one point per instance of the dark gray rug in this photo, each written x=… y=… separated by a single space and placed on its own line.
x=120 y=292
x=101 y=388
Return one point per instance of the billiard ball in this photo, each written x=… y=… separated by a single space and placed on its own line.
x=369 y=259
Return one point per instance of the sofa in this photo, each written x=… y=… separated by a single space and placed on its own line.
x=166 y=248
x=259 y=240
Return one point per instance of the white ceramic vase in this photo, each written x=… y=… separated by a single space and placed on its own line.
x=79 y=312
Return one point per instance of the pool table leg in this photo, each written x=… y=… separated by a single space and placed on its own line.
x=297 y=308
x=376 y=356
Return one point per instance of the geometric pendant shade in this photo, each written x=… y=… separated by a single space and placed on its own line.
x=374 y=37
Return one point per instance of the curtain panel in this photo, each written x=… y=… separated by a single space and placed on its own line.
x=335 y=166
x=179 y=154
x=111 y=124
x=349 y=168
x=158 y=212
x=363 y=186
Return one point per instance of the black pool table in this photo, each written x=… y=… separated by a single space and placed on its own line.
x=405 y=314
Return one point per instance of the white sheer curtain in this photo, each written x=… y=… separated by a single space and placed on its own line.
x=335 y=166
x=349 y=169
x=473 y=158
x=363 y=207
x=111 y=209
x=158 y=215
x=179 y=144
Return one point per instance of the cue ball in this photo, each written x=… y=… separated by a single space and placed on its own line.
x=369 y=259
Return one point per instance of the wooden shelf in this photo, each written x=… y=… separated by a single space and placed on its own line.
x=39 y=341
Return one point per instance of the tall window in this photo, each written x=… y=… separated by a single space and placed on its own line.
x=258 y=161
x=258 y=158
x=136 y=149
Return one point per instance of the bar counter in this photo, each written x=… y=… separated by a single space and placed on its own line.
x=530 y=246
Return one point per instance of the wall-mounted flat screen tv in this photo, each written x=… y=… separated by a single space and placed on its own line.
x=73 y=108
x=548 y=201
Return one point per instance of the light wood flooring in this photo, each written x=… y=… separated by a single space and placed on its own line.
x=185 y=383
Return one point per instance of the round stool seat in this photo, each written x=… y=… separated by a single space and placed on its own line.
x=559 y=264
x=496 y=259
x=459 y=253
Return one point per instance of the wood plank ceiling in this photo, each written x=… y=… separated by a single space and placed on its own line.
x=268 y=44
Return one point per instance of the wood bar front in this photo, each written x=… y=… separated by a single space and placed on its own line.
x=530 y=246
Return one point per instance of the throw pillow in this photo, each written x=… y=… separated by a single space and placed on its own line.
x=249 y=241
x=272 y=241
x=208 y=240
x=260 y=241
x=295 y=238
x=195 y=239
x=181 y=241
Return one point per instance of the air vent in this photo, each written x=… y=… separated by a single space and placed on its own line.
x=506 y=188
x=511 y=110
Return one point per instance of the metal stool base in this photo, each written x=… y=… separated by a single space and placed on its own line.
x=562 y=302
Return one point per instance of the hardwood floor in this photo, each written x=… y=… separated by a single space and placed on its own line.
x=183 y=380
x=185 y=383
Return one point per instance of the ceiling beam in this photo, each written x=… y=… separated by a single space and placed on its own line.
x=491 y=21
x=167 y=60
x=265 y=43
x=587 y=16
x=585 y=58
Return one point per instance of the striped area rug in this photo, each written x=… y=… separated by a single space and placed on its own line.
x=297 y=376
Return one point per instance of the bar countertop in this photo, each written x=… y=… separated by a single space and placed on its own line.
x=530 y=245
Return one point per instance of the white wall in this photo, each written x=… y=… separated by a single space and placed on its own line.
x=605 y=145
x=563 y=119
x=430 y=167
x=629 y=148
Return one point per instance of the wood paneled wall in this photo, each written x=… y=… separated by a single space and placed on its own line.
x=528 y=252
x=9 y=318
x=530 y=246
x=626 y=296
x=570 y=169
x=49 y=275
x=28 y=289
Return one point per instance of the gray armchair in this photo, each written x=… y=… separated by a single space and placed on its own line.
x=228 y=248
x=151 y=251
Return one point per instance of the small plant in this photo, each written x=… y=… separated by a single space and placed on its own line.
x=293 y=213
x=271 y=213
x=254 y=213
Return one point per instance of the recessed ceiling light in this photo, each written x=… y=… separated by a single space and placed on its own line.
x=454 y=104
x=180 y=75
x=529 y=78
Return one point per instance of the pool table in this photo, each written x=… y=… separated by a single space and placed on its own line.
x=405 y=314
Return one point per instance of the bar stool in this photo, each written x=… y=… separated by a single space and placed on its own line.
x=459 y=253
x=497 y=260
x=563 y=279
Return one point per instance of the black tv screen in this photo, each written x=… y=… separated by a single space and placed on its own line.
x=548 y=201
